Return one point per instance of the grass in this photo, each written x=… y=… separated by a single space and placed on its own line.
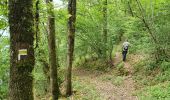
x=115 y=80
x=158 y=92
x=153 y=80
x=118 y=80
x=83 y=90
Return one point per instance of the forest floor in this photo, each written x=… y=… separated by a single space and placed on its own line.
x=96 y=85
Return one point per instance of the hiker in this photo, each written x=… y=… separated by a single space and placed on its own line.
x=125 y=49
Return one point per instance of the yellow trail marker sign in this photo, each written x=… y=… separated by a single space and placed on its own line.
x=22 y=54
x=23 y=51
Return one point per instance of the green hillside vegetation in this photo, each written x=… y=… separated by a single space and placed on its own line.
x=74 y=49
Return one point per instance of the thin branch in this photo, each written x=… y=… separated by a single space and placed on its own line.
x=145 y=22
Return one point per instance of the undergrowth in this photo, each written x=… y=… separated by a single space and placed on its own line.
x=158 y=92
x=153 y=80
x=97 y=64
x=84 y=91
x=115 y=80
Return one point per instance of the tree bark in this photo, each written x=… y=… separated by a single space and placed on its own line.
x=71 y=36
x=52 y=51
x=37 y=22
x=21 y=24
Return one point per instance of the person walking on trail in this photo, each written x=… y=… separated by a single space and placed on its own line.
x=125 y=49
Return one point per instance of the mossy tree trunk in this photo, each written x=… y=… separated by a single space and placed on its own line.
x=37 y=20
x=21 y=24
x=52 y=51
x=71 y=36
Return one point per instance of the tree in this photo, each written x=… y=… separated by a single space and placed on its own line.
x=152 y=28
x=37 y=22
x=71 y=36
x=21 y=24
x=52 y=51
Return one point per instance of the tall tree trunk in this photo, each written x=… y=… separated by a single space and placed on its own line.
x=37 y=22
x=71 y=36
x=52 y=51
x=21 y=23
x=105 y=28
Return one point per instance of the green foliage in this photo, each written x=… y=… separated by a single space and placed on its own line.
x=118 y=80
x=4 y=51
x=89 y=29
x=120 y=69
x=162 y=77
x=3 y=14
x=89 y=46
x=148 y=72
x=94 y=64
x=164 y=74
x=41 y=84
x=165 y=65
x=138 y=38
x=120 y=65
x=84 y=91
x=115 y=80
x=157 y=92
x=4 y=66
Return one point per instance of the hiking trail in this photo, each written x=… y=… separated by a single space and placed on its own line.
x=106 y=89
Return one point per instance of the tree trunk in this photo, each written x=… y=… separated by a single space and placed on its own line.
x=37 y=22
x=21 y=24
x=71 y=35
x=105 y=28
x=52 y=51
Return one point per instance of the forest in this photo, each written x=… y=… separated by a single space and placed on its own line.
x=84 y=49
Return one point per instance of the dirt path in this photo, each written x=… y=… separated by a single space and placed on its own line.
x=106 y=89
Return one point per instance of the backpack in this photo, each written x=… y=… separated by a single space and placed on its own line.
x=125 y=48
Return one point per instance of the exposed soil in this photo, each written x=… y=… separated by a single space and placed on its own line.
x=106 y=89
